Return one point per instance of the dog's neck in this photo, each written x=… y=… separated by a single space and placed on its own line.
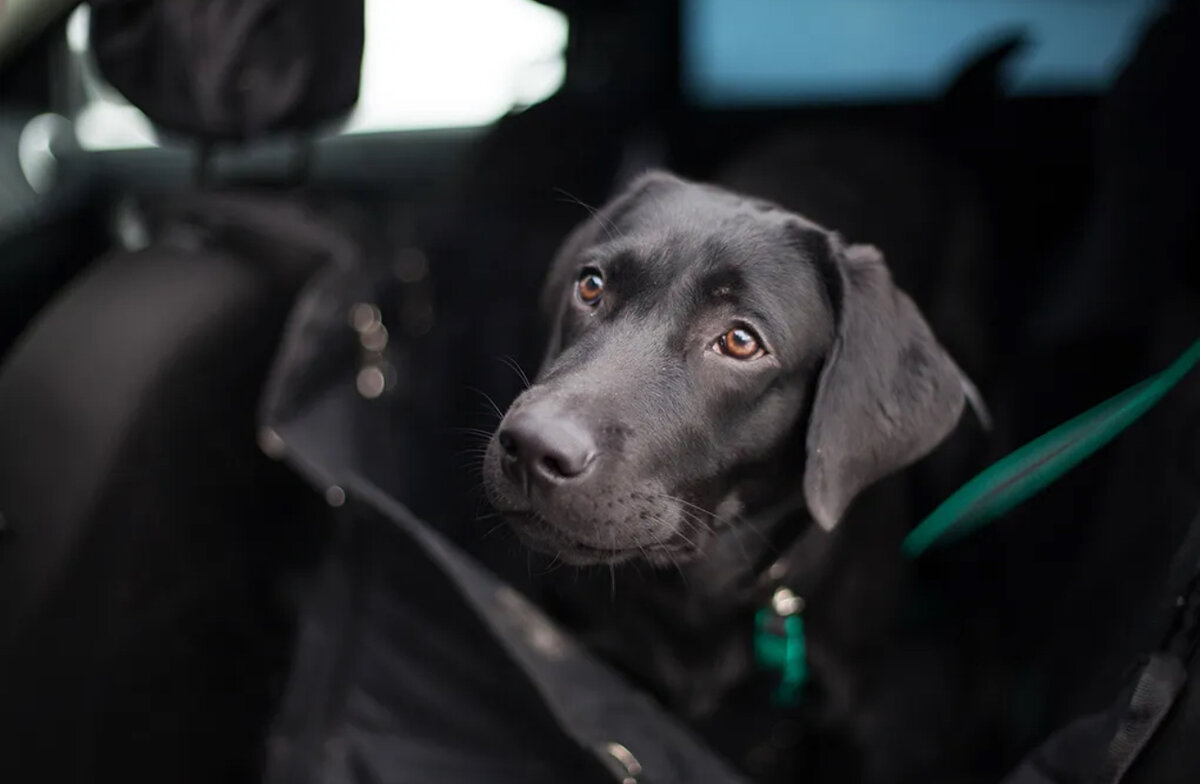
x=684 y=633
x=780 y=545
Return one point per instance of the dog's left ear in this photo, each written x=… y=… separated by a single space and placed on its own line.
x=888 y=392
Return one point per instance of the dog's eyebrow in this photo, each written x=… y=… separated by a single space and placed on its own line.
x=723 y=280
x=728 y=286
x=594 y=256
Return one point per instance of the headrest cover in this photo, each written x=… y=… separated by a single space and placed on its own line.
x=232 y=70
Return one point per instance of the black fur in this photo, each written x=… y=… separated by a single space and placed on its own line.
x=696 y=462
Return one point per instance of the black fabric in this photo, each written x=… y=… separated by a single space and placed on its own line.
x=1153 y=697
x=142 y=632
x=1173 y=756
x=231 y=70
x=1074 y=754
x=1170 y=753
x=41 y=255
x=418 y=665
x=397 y=682
x=1105 y=747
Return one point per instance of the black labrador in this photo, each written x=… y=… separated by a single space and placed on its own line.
x=722 y=374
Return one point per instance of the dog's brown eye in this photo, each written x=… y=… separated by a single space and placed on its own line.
x=591 y=287
x=740 y=343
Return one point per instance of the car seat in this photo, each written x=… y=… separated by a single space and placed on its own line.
x=147 y=540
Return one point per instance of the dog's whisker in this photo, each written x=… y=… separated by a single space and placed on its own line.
x=671 y=556
x=645 y=554
x=689 y=504
x=698 y=521
x=706 y=514
x=708 y=527
x=609 y=228
x=758 y=534
x=474 y=469
x=664 y=541
x=612 y=569
x=479 y=441
x=496 y=408
x=684 y=503
x=679 y=568
x=746 y=556
x=516 y=368
x=696 y=515
x=472 y=461
x=483 y=515
x=471 y=431
x=555 y=563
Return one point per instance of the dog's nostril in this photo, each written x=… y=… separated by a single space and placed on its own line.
x=565 y=465
x=555 y=468
x=546 y=449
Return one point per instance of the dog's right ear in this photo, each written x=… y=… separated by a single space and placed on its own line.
x=602 y=226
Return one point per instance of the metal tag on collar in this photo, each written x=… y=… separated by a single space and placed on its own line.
x=780 y=645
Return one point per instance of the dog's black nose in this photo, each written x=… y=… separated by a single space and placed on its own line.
x=545 y=449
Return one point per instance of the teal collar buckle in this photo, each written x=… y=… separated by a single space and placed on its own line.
x=780 y=645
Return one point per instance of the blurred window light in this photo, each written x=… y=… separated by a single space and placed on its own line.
x=426 y=64
x=762 y=52
x=451 y=63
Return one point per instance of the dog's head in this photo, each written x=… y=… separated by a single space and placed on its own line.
x=708 y=351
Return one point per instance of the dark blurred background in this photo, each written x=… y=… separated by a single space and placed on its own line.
x=1041 y=157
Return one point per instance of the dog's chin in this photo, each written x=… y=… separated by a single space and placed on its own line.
x=544 y=538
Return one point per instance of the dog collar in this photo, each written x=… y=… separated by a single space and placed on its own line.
x=780 y=645
x=780 y=642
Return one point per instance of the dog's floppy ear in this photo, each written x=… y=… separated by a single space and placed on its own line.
x=888 y=392
x=602 y=225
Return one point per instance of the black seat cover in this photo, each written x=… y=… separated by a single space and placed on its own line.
x=142 y=632
x=140 y=626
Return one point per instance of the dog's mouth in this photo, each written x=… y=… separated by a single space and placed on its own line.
x=539 y=535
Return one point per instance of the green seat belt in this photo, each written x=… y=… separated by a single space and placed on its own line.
x=1030 y=469
x=779 y=634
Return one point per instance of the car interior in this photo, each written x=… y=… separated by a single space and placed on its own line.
x=156 y=556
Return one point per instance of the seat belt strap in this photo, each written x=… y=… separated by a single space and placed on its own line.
x=1030 y=469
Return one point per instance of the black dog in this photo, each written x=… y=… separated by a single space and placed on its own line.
x=721 y=372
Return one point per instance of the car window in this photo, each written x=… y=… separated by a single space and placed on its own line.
x=751 y=52
x=444 y=64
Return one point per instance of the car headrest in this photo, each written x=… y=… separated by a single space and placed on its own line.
x=232 y=70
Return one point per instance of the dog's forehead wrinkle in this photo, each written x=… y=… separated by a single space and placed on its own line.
x=753 y=271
